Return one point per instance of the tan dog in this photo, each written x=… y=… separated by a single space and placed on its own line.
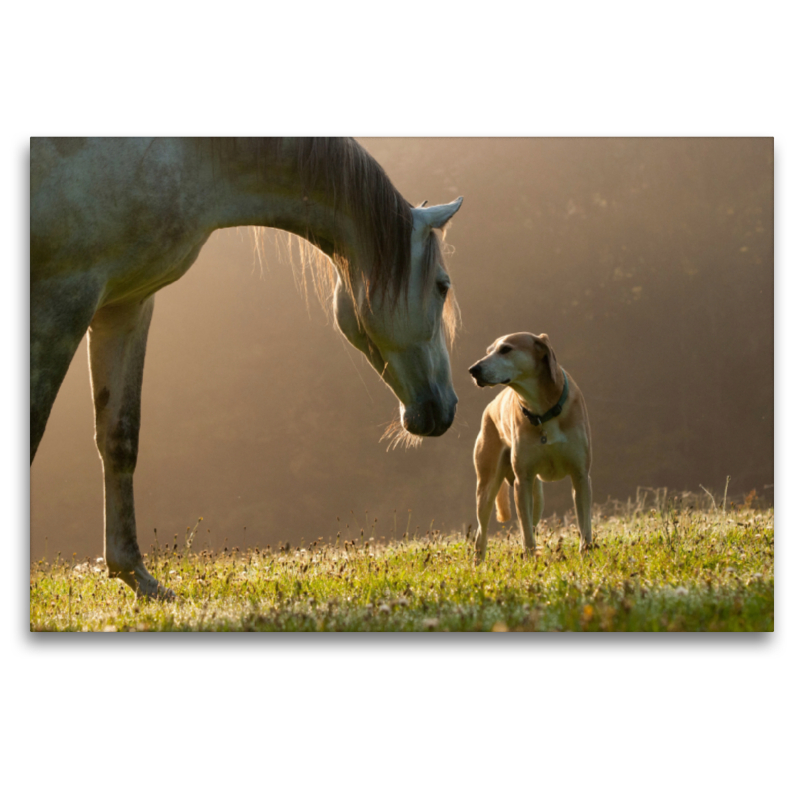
x=536 y=430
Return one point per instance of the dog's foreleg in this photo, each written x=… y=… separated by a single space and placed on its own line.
x=488 y=487
x=582 y=495
x=538 y=503
x=524 y=499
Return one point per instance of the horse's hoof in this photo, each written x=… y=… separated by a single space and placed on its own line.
x=154 y=590
x=164 y=593
x=145 y=585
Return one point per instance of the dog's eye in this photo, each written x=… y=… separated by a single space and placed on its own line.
x=504 y=349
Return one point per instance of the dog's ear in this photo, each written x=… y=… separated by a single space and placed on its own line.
x=544 y=351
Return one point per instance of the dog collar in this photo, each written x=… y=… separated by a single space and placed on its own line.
x=536 y=419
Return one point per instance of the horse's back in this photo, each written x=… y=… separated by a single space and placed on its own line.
x=122 y=212
x=78 y=189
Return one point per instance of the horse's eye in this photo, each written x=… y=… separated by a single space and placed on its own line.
x=444 y=288
x=504 y=349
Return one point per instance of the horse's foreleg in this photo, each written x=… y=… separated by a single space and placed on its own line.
x=117 y=342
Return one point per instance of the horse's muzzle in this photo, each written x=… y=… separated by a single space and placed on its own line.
x=429 y=417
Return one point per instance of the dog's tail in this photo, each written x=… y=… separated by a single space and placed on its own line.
x=503 y=503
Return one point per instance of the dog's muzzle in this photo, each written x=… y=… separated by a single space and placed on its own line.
x=475 y=371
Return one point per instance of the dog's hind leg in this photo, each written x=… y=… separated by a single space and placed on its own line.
x=503 y=503
x=582 y=494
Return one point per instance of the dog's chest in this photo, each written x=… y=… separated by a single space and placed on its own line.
x=549 y=469
x=547 y=460
x=541 y=436
x=547 y=463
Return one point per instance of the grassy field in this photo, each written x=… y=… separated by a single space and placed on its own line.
x=671 y=568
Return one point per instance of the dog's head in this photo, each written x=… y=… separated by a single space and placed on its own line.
x=514 y=358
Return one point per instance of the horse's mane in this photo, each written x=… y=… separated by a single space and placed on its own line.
x=343 y=170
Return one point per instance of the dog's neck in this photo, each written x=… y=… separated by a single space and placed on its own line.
x=539 y=393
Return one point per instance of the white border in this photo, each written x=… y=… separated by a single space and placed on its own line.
x=394 y=716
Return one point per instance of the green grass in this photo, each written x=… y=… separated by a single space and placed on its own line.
x=659 y=570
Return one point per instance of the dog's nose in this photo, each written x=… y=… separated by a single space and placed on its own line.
x=474 y=370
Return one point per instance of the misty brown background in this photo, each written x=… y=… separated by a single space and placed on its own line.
x=649 y=262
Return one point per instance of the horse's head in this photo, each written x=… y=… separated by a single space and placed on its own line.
x=403 y=333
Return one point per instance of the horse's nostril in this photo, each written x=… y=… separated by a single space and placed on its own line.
x=429 y=417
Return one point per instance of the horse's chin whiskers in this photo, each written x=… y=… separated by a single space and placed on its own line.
x=397 y=435
x=460 y=422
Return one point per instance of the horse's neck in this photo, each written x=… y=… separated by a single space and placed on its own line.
x=241 y=192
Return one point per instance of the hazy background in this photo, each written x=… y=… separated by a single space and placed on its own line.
x=649 y=262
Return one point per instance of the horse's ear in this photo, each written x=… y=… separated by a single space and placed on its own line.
x=436 y=216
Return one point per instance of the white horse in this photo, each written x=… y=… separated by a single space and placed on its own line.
x=115 y=220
